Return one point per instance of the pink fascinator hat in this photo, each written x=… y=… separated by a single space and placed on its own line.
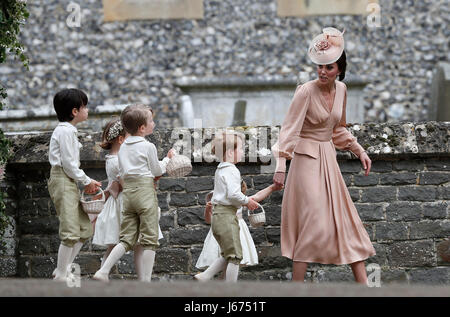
x=326 y=48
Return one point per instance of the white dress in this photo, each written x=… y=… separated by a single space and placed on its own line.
x=107 y=226
x=211 y=249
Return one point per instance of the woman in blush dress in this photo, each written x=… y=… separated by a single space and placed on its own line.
x=319 y=222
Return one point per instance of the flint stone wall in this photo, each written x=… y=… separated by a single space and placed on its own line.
x=141 y=61
x=404 y=204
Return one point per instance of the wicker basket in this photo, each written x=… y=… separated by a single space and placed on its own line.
x=257 y=220
x=93 y=206
x=179 y=166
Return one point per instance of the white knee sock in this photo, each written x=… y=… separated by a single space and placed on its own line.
x=113 y=258
x=232 y=272
x=64 y=254
x=138 y=261
x=107 y=253
x=148 y=259
x=213 y=269
x=76 y=249
x=222 y=275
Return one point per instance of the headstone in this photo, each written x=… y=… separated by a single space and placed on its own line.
x=440 y=93
x=239 y=113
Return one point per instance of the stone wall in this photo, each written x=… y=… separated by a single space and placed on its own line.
x=404 y=204
x=140 y=61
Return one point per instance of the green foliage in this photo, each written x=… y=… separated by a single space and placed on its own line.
x=13 y=14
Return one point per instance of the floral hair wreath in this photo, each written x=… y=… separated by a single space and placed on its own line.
x=114 y=131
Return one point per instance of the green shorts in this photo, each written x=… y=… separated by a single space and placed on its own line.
x=225 y=228
x=74 y=223
x=140 y=214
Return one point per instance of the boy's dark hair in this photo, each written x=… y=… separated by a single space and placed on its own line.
x=67 y=99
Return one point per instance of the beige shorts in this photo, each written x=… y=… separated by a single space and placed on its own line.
x=74 y=223
x=140 y=214
x=225 y=228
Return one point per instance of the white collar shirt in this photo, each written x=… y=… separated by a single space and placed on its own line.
x=64 y=151
x=139 y=158
x=227 y=186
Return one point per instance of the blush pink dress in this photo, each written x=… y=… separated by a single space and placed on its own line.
x=319 y=222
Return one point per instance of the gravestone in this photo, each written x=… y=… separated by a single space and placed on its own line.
x=440 y=93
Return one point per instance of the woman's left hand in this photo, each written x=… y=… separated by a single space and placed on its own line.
x=366 y=162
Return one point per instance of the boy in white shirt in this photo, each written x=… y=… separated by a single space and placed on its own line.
x=227 y=199
x=64 y=157
x=138 y=169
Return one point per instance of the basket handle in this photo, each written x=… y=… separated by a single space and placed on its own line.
x=100 y=189
x=250 y=213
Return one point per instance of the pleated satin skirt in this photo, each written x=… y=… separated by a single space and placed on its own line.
x=319 y=222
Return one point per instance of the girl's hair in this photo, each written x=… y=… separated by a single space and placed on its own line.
x=111 y=131
x=243 y=186
x=66 y=100
x=342 y=65
x=225 y=141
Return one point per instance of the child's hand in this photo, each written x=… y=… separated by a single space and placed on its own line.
x=171 y=153
x=252 y=205
x=113 y=189
x=155 y=181
x=92 y=187
x=208 y=212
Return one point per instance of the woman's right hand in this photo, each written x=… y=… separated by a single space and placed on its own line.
x=278 y=180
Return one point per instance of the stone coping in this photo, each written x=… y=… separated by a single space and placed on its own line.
x=193 y=82
x=381 y=140
x=49 y=112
